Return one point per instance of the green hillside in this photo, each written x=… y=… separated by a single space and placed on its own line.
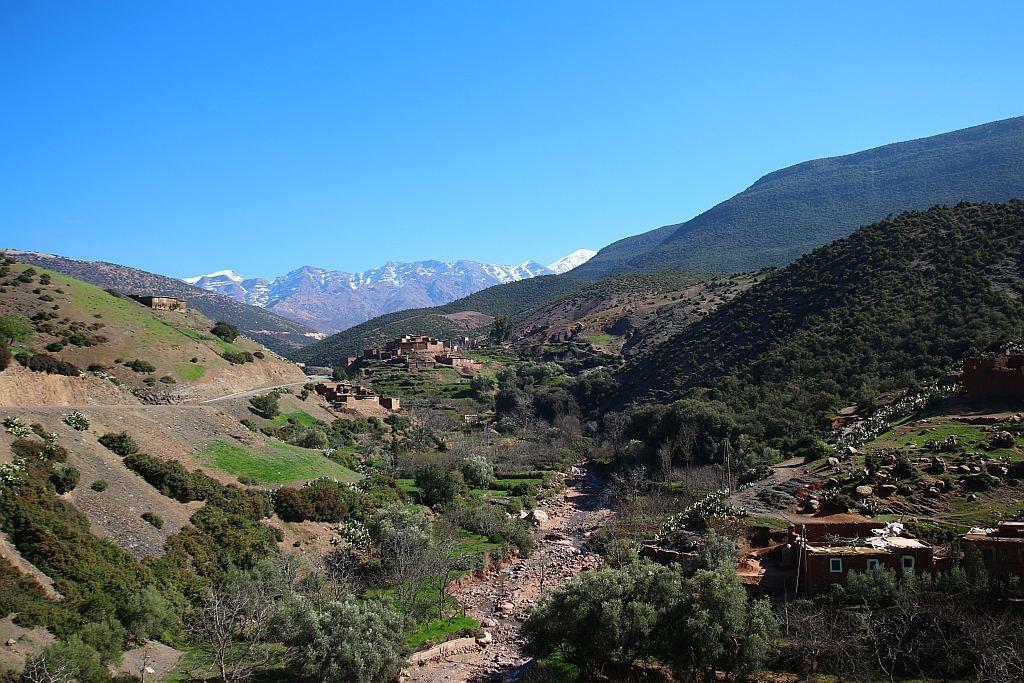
x=276 y=333
x=790 y=211
x=515 y=299
x=896 y=303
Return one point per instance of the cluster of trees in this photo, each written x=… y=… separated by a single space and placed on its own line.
x=694 y=621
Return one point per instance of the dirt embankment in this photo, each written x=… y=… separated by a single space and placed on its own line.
x=21 y=387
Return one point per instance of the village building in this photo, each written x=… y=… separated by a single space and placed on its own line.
x=827 y=551
x=162 y=303
x=1001 y=548
x=407 y=345
x=994 y=376
x=344 y=396
x=416 y=352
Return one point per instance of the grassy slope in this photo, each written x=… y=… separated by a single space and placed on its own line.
x=167 y=340
x=277 y=333
x=278 y=463
x=897 y=302
x=789 y=211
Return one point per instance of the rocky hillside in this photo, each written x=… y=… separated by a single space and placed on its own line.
x=895 y=304
x=790 y=211
x=126 y=351
x=334 y=300
x=273 y=331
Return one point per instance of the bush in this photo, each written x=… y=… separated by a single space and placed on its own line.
x=15 y=328
x=321 y=501
x=351 y=642
x=259 y=354
x=477 y=471
x=141 y=366
x=5 y=356
x=225 y=331
x=100 y=485
x=237 y=357
x=120 y=443
x=43 y=362
x=265 y=405
x=154 y=520
x=65 y=479
x=437 y=485
x=76 y=421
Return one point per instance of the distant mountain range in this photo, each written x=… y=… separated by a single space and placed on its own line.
x=333 y=300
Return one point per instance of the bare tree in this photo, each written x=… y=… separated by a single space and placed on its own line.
x=48 y=668
x=234 y=625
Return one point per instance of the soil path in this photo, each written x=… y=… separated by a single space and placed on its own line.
x=773 y=495
x=504 y=598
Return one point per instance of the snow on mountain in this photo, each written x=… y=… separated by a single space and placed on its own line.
x=333 y=300
x=567 y=263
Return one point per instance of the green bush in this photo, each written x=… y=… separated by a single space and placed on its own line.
x=65 y=479
x=120 y=443
x=141 y=366
x=155 y=520
x=100 y=485
x=225 y=331
x=265 y=405
x=42 y=362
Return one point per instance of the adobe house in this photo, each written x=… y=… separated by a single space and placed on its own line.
x=162 y=303
x=1001 y=549
x=994 y=375
x=407 y=345
x=827 y=551
x=458 y=361
x=343 y=396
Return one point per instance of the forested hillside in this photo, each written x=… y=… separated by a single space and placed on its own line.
x=515 y=300
x=790 y=211
x=276 y=333
x=896 y=303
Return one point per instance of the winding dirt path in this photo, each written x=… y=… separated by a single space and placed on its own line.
x=504 y=598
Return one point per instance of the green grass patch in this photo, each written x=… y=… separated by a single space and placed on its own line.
x=439 y=630
x=600 y=339
x=190 y=372
x=279 y=463
x=300 y=416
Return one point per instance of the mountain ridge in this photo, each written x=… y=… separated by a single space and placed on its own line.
x=334 y=300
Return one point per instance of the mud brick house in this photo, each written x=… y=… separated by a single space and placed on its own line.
x=343 y=396
x=407 y=345
x=458 y=361
x=162 y=303
x=826 y=551
x=1001 y=549
x=995 y=375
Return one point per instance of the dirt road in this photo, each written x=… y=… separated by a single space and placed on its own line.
x=505 y=598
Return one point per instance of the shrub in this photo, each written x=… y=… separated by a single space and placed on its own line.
x=141 y=366
x=265 y=405
x=5 y=356
x=43 y=362
x=120 y=443
x=225 y=331
x=477 y=471
x=155 y=520
x=321 y=501
x=237 y=357
x=259 y=354
x=100 y=485
x=167 y=379
x=65 y=479
x=76 y=421
x=437 y=485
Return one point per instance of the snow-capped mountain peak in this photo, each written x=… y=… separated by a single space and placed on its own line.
x=333 y=300
x=219 y=275
x=567 y=263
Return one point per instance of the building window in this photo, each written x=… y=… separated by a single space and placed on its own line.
x=835 y=564
x=908 y=563
x=872 y=563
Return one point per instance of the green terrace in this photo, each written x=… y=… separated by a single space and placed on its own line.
x=277 y=463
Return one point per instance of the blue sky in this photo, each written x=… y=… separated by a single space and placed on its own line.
x=187 y=137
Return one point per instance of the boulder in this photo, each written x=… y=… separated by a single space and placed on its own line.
x=1002 y=440
x=506 y=608
x=833 y=462
x=864 y=491
x=488 y=622
x=485 y=639
x=937 y=465
x=537 y=516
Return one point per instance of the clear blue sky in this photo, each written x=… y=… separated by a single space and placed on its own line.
x=184 y=137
